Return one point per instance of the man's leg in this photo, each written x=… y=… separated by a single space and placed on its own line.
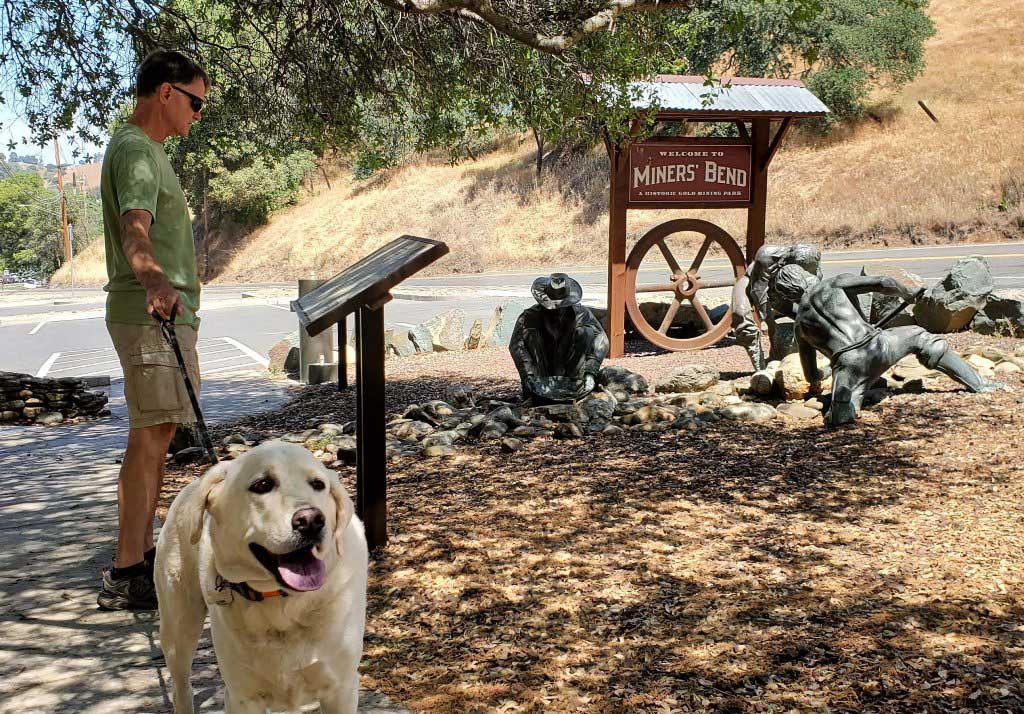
x=138 y=491
x=934 y=353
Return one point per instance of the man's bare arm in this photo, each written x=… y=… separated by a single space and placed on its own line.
x=859 y=284
x=138 y=249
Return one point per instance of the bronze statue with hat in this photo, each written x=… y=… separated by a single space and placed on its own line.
x=557 y=345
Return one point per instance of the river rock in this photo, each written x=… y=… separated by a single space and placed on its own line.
x=622 y=383
x=691 y=378
x=755 y=412
x=951 y=304
x=412 y=430
x=598 y=407
x=49 y=418
x=792 y=383
x=510 y=445
x=651 y=413
x=1007 y=368
x=436 y=451
x=568 y=430
x=460 y=396
x=189 y=455
x=796 y=410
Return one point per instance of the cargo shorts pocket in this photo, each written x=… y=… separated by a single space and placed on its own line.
x=156 y=381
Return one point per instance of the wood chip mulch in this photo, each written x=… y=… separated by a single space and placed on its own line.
x=738 y=568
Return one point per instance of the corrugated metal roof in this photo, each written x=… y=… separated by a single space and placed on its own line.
x=737 y=95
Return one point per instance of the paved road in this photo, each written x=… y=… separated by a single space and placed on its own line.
x=69 y=339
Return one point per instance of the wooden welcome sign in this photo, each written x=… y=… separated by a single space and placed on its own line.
x=685 y=171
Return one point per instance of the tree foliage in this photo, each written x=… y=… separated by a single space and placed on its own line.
x=31 y=235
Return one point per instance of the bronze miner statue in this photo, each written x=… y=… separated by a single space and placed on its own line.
x=557 y=345
x=829 y=320
x=753 y=290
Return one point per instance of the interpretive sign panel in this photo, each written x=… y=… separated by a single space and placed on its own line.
x=365 y=283
x=689 y=171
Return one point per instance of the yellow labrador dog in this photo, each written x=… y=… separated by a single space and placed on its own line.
x=270 y=546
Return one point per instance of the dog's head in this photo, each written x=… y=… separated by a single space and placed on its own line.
x=278 y=515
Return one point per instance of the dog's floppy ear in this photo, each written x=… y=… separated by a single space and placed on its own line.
x=201 y=500
x=344 y=509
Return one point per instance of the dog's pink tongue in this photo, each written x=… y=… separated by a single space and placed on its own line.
x=302 y=571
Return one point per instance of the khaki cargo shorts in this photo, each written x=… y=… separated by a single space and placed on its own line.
x=153 y=387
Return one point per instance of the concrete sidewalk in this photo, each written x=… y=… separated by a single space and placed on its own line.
x=58 y=520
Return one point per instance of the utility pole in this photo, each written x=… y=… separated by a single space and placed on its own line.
x=63 y=201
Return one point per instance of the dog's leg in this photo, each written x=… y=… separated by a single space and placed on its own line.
x=181 y=625
x=242 y=705
x=344 y=699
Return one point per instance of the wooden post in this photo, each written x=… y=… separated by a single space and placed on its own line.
x=343 y=354
x=758 y=211
x=371 y=456
x=63 y=201
x=615 y=321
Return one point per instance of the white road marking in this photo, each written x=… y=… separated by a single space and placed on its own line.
x=44 y=370
x=223 y=359
x=286 y=308
x=251 y=352
x=38 y=327
x=230 y=367
x=404 y=324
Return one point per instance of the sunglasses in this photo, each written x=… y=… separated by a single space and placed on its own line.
x=197 y=102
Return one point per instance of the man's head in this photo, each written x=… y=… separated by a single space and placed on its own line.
x=806 y=256
x=174 y=87
x=792 y=281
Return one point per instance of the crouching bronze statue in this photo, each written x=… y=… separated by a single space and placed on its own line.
x=557 y=345
x=827 y=320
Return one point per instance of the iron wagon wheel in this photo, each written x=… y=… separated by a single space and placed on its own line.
x=682 y=283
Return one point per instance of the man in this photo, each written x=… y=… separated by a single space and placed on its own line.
x=151 y=267
x=557 y=345
x=828 y=320
x=753 y=291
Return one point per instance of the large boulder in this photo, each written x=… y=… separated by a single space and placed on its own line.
x=1001 y=316
x=421 y=338
x=397 y=343
x=952 y=303
x=691 y=378
x=794 y=385
x=476 y=334
x=499 y=328
x=284 y=356
x=447 y=330
x=621 y=383
x=879 y=304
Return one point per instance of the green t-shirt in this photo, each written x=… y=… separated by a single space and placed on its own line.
x=137 y=174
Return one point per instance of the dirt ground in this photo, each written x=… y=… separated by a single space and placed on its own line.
x=738 y=568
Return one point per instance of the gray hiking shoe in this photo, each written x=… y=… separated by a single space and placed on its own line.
x=137 y=593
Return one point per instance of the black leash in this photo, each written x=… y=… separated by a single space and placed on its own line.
x=167 y=328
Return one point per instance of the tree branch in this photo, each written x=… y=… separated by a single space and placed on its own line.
x=483 y=12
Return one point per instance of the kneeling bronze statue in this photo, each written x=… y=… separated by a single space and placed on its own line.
x=557 y=345
x=827 y=320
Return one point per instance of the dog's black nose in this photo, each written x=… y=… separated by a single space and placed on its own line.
x=308 y=521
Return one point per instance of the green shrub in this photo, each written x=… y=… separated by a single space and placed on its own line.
x=250 y=194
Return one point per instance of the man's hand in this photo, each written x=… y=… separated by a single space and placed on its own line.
x=163 y=298
x=588 y=383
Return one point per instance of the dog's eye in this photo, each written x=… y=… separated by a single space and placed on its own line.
x=264 y=485
x=317 y=484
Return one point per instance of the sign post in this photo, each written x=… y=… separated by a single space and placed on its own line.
x=364 y=288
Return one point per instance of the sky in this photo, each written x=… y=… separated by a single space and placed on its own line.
x=13 y=128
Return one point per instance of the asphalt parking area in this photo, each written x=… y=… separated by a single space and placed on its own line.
x=216 y=354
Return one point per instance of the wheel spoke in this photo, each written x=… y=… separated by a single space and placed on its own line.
x=670 y=316
x=718 y=282
x=699 y=307
x=673 y=264
x=700 y=254
x=656 y=288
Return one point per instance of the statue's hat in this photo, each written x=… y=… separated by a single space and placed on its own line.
x=557 y=290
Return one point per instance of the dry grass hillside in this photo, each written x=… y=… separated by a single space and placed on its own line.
x=895 y=179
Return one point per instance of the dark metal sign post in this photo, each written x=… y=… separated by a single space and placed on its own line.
x=364 y=288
